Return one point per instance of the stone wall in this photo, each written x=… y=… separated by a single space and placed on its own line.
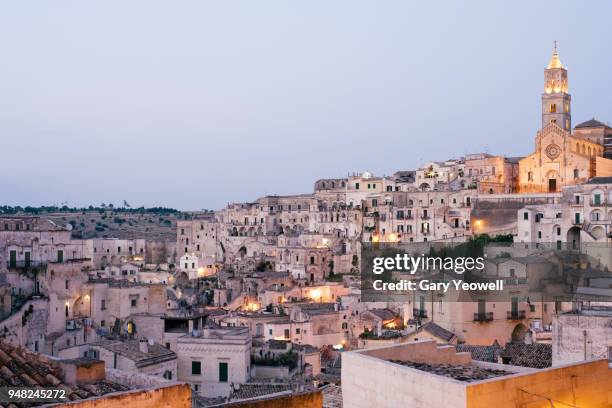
x=35 y=313
x=134 y=379
x=303 y=400
x=578 y=338
x=580 y=385
x=603 y=167
x=171 y=396
x=395 y=385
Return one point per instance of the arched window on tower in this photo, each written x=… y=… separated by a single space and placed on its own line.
x=552 y=108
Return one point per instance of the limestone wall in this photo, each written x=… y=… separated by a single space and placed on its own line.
x=395 y=385
x=578 y=338
x=581 y=385
x=305 y=400
x=172 y=396
x=603 y=167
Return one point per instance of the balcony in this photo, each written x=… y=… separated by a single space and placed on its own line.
x=483 y=317
x=516 y=315
x=419 y=313
x=23 y=264
x=74 y=324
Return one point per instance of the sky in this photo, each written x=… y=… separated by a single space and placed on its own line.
x=195 y=104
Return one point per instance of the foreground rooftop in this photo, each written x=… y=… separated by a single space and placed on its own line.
x=466 y=373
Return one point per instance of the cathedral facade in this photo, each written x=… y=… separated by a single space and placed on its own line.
x=561 y=157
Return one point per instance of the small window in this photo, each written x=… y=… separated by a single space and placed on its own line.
x=223 y=372
x=196 y=368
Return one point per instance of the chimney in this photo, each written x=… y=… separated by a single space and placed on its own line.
x=143 y=346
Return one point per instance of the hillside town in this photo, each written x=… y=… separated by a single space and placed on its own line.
x=260 y=302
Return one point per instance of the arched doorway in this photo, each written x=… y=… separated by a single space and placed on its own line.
x=519 y=332
x=573 y=238
x=131 y=328
x=424 y=187
x=242 y=252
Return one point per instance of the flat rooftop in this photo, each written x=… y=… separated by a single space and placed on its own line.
x=467 y=373
x=599 y=311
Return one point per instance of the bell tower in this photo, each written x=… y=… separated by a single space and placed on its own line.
x=556 y=100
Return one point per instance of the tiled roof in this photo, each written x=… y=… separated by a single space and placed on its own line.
x=253 y=390
x=318 y=308
x=332 y=396
x=489 y=354
x=384 y=314
x=591 y=123
x=130 y=348
x=536 y=355
x=22 y=368
x=278 y=344
x=438 y=331
x=600 y=180
x=467 y=373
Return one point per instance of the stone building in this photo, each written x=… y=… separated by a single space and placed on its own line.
x=134 y=355
x=212 y=359
x=198 y=235
x=423 y=374
x=115 y=252
x=87 y=383
x=582 y=334
x=439 y=175
x=491 y=174
x=418 y=216
x=597 y=132
x=561 y=158
x=31 y=242
x=581 y=215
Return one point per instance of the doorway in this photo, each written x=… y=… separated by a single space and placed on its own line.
x=552 y=185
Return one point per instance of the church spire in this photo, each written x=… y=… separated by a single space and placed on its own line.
x=555 y=62
x=556 y=98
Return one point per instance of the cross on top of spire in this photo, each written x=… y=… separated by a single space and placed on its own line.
x=555 y=62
